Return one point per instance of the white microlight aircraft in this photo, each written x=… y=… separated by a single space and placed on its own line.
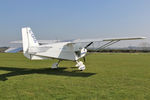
x=33 y=50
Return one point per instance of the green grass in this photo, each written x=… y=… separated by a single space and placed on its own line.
x=108 y=76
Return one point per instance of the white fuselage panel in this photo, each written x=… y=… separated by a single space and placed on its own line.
x=57 y=50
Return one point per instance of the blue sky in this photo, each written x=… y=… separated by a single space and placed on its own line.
x=70 y=19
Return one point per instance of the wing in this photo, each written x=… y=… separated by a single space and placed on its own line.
x=131 y=38
x=109 y=41
x=87 y=43
x=40 y=41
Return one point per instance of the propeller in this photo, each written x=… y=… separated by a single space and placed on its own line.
x=84 y=59
x=88 y=45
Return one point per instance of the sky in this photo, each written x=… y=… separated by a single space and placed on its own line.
x=74 y=19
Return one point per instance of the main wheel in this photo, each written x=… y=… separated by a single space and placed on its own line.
x=54 y=66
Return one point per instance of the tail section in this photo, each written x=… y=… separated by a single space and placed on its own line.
x=28 y=40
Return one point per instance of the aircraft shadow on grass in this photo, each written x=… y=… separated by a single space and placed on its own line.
x=24 y=71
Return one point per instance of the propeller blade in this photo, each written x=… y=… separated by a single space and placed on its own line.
x=88 y=45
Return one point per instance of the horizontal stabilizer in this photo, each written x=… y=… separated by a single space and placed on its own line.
x=14 y=50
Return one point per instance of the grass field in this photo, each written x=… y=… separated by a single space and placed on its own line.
x=107 y=76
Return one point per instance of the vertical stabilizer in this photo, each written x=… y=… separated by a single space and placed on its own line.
x=28 y=40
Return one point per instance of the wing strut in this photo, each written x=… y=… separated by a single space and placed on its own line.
x=107 y=44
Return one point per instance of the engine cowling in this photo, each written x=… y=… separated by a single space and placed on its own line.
x=81 y=53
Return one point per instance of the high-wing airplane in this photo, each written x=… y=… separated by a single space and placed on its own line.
x=66 y=50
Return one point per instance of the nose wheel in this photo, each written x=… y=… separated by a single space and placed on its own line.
x=80 y=65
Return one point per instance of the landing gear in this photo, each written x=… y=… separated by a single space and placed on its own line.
x=80 y=65
x=55 y=65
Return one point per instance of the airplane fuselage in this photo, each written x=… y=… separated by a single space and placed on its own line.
x=62 y=50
